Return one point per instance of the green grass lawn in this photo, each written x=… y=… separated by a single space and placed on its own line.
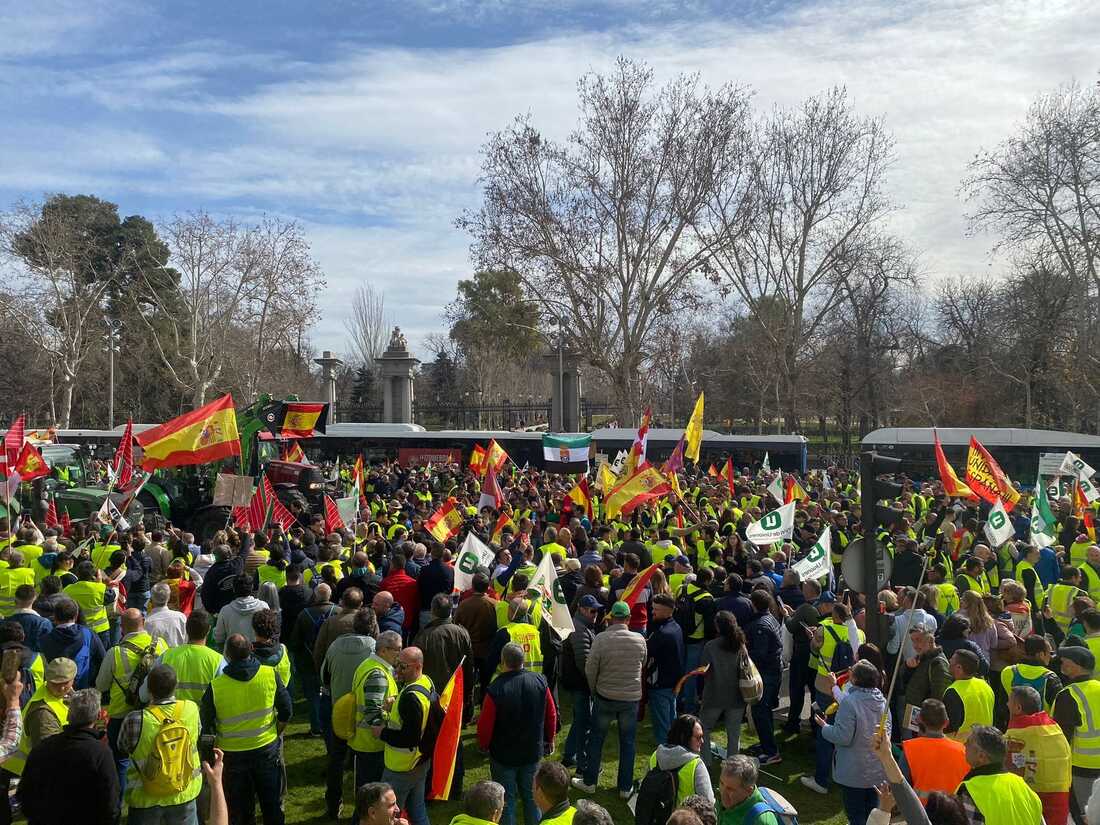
x=305 y=757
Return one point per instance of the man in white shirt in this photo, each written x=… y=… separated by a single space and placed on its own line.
x=162 y=622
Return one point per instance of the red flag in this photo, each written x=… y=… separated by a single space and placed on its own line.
x=123 y=463
x=333 y=522
x=265 y=507
x=445 y=522
x=242 y=518
x=51 y=513
x=636 y=457
x=691 y=674
x=491 y=496
x=13 y=440
x=66 y=523
x=294 y=452
x=29 y=464
x=450 y=736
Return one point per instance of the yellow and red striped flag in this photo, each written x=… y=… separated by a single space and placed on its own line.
x=445 y=522
x=727 y=475
x=198 y=437
x=637 y=585
x=794 y=491
x=450 y=736
x=504 y=521
x=645 y=485
x=477 y=459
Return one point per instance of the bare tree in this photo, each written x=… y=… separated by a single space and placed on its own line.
x=1041 y=187
x=195 y=323
x=599 y=227
x=368 y=328
x=815 y=193
x=59 y=274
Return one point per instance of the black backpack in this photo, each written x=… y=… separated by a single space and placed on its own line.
x=318 y=619
x=656 y=797
x=436 y=715
x=684 y=612
x=842 y=653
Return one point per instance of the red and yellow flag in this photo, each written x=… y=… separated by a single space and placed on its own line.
x=198 y=437
x=495 y=456
x=952 y=486
x=445 y=522
x=637 y=585
x=986 y=478
x=477 y=459
x=450 y=736
x=645 y=485
x=1083 y=511
x=30 y=465
x=712 y=471
x=581 y=496
x=793 y=491
x=294 y=452
x=503 y=521
x=636 y=457
x=727 y=475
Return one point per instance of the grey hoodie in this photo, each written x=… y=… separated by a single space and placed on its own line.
x=673 y=757
x=342 y=659
x=236 y=617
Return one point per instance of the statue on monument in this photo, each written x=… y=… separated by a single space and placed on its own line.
x=398 y=342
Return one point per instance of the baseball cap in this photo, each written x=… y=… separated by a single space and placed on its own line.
x=827 y=597
x=60 y=670
x=620 y=610
x=589 y=601
x=684 y=560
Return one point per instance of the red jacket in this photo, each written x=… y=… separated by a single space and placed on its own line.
x=403 y=588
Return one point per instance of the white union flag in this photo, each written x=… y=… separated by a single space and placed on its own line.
x=777 y=525
x=816 y=564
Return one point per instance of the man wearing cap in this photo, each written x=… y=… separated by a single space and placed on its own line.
x=614 y=671
x=664 y=664
x=573 y=658
x=44 y=716
x=1077 y=712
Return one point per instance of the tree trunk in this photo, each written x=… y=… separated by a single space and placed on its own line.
x=66 y=401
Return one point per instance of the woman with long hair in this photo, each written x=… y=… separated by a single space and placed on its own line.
x=983 y=633
x=721 y=683
x=684 y=747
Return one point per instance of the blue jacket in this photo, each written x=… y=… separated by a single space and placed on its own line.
x=664 y=654
x=33 y=626
x=854 y=763
x=393 y=620
x=765 y=643
x=66 y=641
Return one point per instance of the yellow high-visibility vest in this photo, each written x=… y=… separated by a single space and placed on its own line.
x=245 y=711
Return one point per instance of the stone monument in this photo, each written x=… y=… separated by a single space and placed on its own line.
x=397 y=368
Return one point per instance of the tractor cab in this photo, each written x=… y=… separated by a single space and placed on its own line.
x=295 y=482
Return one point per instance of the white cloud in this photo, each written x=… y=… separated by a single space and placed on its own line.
x=378 y=148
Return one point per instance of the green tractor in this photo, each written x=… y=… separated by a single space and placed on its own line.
x=184 y=495
x=70 y=485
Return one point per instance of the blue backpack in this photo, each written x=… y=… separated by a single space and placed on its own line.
x=83 y=659
x=773 y=803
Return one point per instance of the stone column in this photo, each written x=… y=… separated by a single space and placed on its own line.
x=329 y=364
x=565 y=390
x=397 y=369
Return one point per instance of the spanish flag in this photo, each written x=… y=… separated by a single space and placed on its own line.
x=477 y=459
x=637 y=585
x=495 y=456
x=198 y=437
x=504 y=521
x=1083 y=511
x=450 y=736
x=295 y=453
x=645 y=485
x=298 y=419
x=445 y=522
x=952 y=486
x=727 y=475
x=580 y=496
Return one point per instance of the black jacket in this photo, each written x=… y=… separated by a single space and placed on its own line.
x=139 y=573
x=519 y=700
x=78 y=761
x=217 y=585
x=765 y=643
x=435 y=577
x=664 y=654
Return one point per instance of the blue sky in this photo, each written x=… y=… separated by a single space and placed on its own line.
x=364 y=119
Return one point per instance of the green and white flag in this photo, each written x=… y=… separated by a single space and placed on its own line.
x=1042 y=519
x=778 y=525
x=775 y=487
x=473 y=555
x=767 y=465
x=546 y=587
x=817 y=563
x=998 y=529
x=1074 y=465
x=566 y=453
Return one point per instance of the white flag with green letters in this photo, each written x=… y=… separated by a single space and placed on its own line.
x=998 y=529
x=778 y=525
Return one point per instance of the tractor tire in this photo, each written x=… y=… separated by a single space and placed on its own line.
x=293 y=499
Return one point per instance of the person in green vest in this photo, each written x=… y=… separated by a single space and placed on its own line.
x=989 y=793
x=194 y=663
x=374 y=688
x=973 y=576
x=552 y=794
x=406 y=769
x=159 y=792
x=44 y=716
x=1034 y=671
x=11 y=577
x=246 y=709
x=681 y=754
x=739 y=796
x=483 y=804
x=969 y=699
x=1090 y=570
x=92 y=596
x=1059 y=600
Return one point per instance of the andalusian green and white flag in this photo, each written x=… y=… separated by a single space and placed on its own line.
x=566 y=453
x=775 y=487
x=778 y=525
x=817 y=562
x=547 y=589
x=766 y=466
x=474 y=554
x=1042 y=519
x=1074 y=465
x=998 y=529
